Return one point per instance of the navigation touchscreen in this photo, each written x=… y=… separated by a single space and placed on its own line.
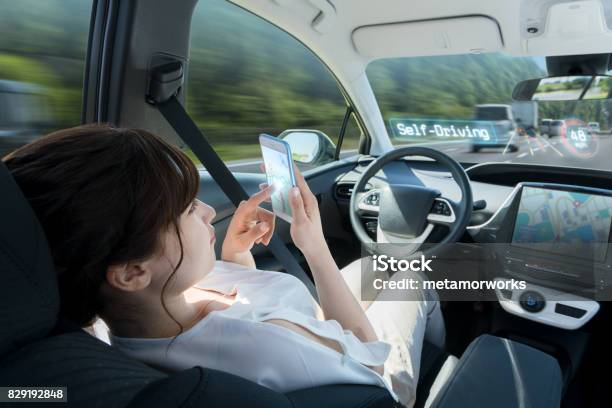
x=563 y=222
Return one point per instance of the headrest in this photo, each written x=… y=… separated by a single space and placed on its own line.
x=29 y=298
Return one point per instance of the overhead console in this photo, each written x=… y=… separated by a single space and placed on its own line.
x=558 y=27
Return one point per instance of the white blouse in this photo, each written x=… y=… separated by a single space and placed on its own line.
x=239 y=341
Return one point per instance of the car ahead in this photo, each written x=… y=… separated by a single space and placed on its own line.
x=545 y=126
x=526 y=117
x=556 y=128
x=594 y=127
x=502 y=120
x=24 y=115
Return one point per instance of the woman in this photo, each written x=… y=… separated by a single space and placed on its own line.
x=133 y=245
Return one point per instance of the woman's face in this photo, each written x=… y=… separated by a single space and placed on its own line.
x=198 y=239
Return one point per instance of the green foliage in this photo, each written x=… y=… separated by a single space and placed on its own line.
x=24 y=69
x=44 y=43
x=448 y=86
x=244 y=72
x=64 y=102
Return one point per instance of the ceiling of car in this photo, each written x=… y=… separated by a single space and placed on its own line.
x=392 y=28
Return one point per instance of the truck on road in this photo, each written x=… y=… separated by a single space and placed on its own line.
x=502 y=119
x=525 y=116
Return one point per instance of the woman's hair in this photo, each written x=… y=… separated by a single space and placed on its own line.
x=104 y=196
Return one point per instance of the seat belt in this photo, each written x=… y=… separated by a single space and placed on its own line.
x=165 y=81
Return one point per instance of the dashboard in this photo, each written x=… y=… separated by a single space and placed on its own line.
x=556 y=238
x=544 y=229
x=569 y=226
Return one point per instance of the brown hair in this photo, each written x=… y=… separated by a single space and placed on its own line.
x=104 y=196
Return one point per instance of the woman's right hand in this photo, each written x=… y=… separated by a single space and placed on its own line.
x=306 y=230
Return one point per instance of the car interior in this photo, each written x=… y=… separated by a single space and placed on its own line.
x=377 y=180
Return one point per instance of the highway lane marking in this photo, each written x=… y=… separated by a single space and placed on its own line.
x=508 y=144
x=553 y=147
x=529 y=145
x=521 y=155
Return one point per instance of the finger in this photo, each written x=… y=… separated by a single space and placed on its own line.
x=263 y=186
x=260 y=197
x=255 y=233
x=299 y=178
x=300 y=181
x=268 y=237
x=297 y=204
x=262 y=167
x=307 y=196
x=239 y=208
x=269 y=217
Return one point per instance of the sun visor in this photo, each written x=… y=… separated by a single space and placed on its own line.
x=457 y=35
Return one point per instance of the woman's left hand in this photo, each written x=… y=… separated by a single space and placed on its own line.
x=250 y=225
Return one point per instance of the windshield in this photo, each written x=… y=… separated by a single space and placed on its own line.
x=462 y=105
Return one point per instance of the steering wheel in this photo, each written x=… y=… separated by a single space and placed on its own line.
x=407 y=214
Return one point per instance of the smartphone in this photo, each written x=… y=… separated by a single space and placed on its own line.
x=279 y=173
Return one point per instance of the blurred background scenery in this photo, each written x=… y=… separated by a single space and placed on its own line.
x=248 y=77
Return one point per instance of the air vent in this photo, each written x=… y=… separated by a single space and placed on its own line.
x=344 y=190
x=365 y=160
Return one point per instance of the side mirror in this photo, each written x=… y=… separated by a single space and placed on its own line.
x=564 y=88
x=309 y=146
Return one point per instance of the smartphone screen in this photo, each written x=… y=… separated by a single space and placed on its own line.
x=279 y=172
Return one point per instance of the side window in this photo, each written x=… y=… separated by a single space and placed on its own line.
x=42 y=57
x=247 y=77
x=352 y=138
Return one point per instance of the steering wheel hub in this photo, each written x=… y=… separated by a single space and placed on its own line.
x=404 y=209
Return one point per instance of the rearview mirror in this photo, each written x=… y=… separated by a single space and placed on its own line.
x=309 y=146
x=564 y=88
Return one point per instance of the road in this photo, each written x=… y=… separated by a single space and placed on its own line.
x=535 y=150
x=539 y=150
